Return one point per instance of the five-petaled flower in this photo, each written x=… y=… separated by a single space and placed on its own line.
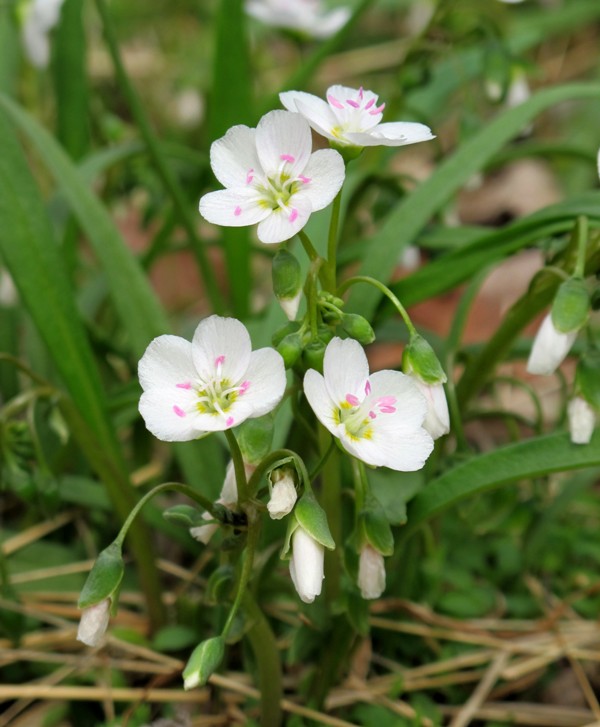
x=271 y=177
x=306 y=16
x=213 y=383
x=351 y=117
x=378 y=418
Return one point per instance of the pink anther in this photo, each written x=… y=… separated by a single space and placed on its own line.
x=386 y=400
x=368 y=388
x=237 y=211
x=249 y=176
x=377 y=110
x=369 y=104
x=334 y=102
x=229 y=421
x=372 y=415
x=287 y=158
x=304 y=180
x=387 y=409
x=244 y=387
x=352 y=103
x=360 y=93
x=184 y=385
x=293 y=215
x=352 y=400
x=220 y=360
x=178 y=411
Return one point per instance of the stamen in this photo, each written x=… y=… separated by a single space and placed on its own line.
x=244 y=387
x=184 y=385
x=249 y=176
x=352 y=400
x=372 y=415
x=387 y=409
x=287 y=158
x=178 y=411
x=334 y=102
x=237 y=211
x=377 y=110
x=229 y=421
x=360 y=93
x=387 y=400
x=293 y=215
x=369 y=104
x=352 y=103
x=220 y=360
x=368 y=388
x=304 y=180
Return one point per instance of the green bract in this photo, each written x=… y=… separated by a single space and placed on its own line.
x=571 y=306
x=419 y=358
x=105 y=577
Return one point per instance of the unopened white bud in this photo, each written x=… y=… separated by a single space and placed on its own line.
x=290 y=305
x=203 y=533
x=93 y=623
x=283 y=497
x=371 y=573
x=437 y=418
x=306 y=565
x=550 y=348
x=582 y=420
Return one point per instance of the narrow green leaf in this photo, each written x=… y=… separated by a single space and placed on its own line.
x=524 y=460
x=404 y=223
x=9 y=42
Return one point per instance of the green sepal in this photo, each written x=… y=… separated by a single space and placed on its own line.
x=204 y=661
x=105 y=577
x=314 y=354
x=185 y=515
x=290 y=349
x=311 y=517
x=419 y=358
x=255 y=437
x=375 y=528
x=286 y=550
x=287 y=275
x=358 y=328
x=571 y=306
x=281 y=333
x=348 y=153
x=587 y=378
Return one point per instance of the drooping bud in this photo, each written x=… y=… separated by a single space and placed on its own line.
x=371 y=573
x=550 y=347
x=582 y=420
x=203 y=662
x=307 y=565
x=571 y=306
x=287 y=282
x=283 y=493
x=420 y=362
x=358 y=328
x=98 y=594
x=437 y=419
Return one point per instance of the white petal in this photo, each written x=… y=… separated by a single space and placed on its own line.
x=283 y=224
x=550 y=348
x=306 y=565
x=437 y=419
x=36 y=43
x=266 y=382
x=345 y=93
x=233 y=157
x=221 y=345
x=326 y=172
x=93 y=623
x=234 y=207
x=283 y=141
x=203 y=533
x=47 y=12
x=170 y=414
x=283 y=498
x=167 y=362
x=371 y=573
x=346 y=370
x=317 y=112
x=396 y=133
x=320 y=401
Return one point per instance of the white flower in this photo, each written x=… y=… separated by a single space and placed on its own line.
x=283 y=497
x=307 y=16
x=437 y=419
x=213 y=383
x=271 y=177
x=582 y=420
x=40 y=16
x=378 y=418
x=306 y=565
x=371 y=573
x=93 y=623
x=550 y=348
x=351 y=117
x=228 y=498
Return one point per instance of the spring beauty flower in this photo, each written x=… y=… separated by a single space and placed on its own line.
x=550 y=348
x=307 y=565
x=378 y=418
x=352 y=117
x=271 y=177
x=213 y=383
x=305 y=16
x=38 y=17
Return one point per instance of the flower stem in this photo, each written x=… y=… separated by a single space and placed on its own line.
x=238 y=465
x=156 y=154
x=309 y=248
x=581 y=235
x=331 y=270
x=382 y=289
x=331 y=495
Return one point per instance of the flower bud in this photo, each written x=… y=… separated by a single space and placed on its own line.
x=283 y=493
x=203 y=662
x=582 y=420
x=420 y=360
x=550 y=348
x=371 y=573
x=358 y=328
x=94 y=622
x=306 y=565
x=437 y=418
x=290 y=349
x=571 y=306
x=287 y=282
x=313 y=355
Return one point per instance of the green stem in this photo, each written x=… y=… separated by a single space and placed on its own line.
x=382 y=289
x=331 y=270
x=331 y=493
x=309 y=248
x=156 y=154
x=271 y=459
x=243 y=491
x=581 y=232
x=264 y=646
x=166 y=487
x=361 y=484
